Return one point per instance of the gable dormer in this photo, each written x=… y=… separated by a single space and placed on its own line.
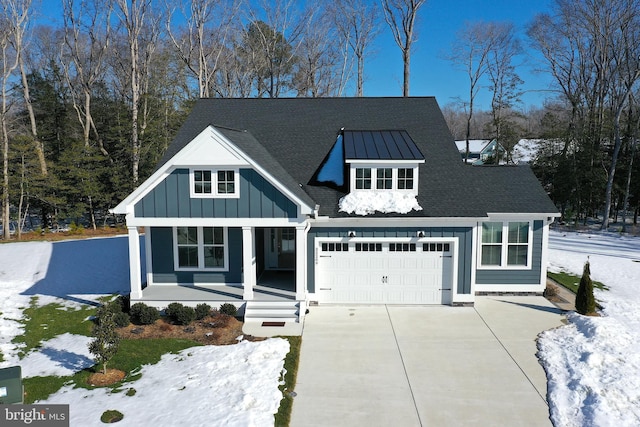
x=382 y=160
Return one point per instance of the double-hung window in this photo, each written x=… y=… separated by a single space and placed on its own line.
x=505 y=244
x=214 y=183
x=200 y=248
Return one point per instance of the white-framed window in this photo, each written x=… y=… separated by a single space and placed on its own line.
x=384 y=177
x=363 y=178
x=200 y=248
x=506 y=244
x=214 y=183
x=405 y=179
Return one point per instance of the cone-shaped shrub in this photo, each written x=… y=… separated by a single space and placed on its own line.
x=585 y=301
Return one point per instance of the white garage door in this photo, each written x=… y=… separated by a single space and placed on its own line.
x=384 y=272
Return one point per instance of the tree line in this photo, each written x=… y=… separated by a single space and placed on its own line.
x=90 y=104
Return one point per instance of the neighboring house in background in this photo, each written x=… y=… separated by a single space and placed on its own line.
x=275 y=204
x=481 y=151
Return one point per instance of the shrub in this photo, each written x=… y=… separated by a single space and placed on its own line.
x=142 y=314
x=202 y=311
x=228 y=309
x=551 y=291
x=106 y=341
x=75 y=228
x=585 y=301
x=180 y=314
x=122 y=303
x=122 y=319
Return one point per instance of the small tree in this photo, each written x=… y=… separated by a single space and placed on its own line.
x=585 y=301
x=106 y=341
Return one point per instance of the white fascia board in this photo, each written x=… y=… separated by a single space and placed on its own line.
x=208 y=222
x=396 y=222
x=520 y=215
x=377 y=163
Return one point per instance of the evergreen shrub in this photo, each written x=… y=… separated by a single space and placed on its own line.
x=142 y=314
x=202 y=311
x=228 y=309
x=180 y=314
x=585 y=301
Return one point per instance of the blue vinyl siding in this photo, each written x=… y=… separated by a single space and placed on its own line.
x=464 y=235
x=258 y=199
x=162 y=260
x=517 y=277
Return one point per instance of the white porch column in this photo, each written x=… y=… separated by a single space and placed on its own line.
x=301 y=262
x=248 y=262
x=134 y=263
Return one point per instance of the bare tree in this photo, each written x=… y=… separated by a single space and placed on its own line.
x=470 y=51
x=504 y=80
x=358 y=24
x=141 y=30
x=204 y=39
x=14 y=16
x=401 y=17
x=87 y=36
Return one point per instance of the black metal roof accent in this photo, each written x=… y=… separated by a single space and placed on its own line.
x=380 y=145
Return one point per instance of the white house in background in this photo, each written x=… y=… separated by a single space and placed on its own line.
x=278 y=204
x=480 y=150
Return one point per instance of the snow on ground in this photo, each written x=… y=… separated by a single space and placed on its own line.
x=593 y=363
x=234 y=385
x=368 y=202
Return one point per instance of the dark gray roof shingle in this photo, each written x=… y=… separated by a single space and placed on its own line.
x=291 y=137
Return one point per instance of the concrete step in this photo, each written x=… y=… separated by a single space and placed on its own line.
x=272 y=311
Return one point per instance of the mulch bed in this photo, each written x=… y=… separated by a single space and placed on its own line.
x=217 y=329
x=111 y=377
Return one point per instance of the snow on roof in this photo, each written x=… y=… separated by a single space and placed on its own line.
x=475 y=145
x=368 y=202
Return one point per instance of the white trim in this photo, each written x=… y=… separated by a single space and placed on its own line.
x=396 y=163
x=249 y=272
x=176 y=261
x=301 y=263
x=544 y=259
x=387 y=222
x=148 y=255
x=519 y=216
x=134 y=262
x=207 y=222
x=394 y=166
x=214 y=183
x=504 y=245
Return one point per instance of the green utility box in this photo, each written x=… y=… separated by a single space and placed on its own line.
x=11 y=389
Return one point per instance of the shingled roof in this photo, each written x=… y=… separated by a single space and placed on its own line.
x=294 y=135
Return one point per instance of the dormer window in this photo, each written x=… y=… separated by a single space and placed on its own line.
x=385 y=160
x=363 y=179
x=405 y=179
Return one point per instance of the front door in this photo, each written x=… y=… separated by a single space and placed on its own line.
x=281 y=248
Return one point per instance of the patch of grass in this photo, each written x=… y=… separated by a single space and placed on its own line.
x=283 y=416
x=111 y=416
x=42 y=323
x=131 y=356
x=572 y=282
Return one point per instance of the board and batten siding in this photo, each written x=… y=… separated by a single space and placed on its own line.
x=518 y=277
x=163 y=262
x=464 y=235
x=258 y=199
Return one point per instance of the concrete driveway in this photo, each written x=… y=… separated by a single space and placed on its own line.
x=424 y=365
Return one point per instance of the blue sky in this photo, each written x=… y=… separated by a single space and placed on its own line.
x=431 y=75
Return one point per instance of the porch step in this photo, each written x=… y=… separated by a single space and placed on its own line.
x=272 y=311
